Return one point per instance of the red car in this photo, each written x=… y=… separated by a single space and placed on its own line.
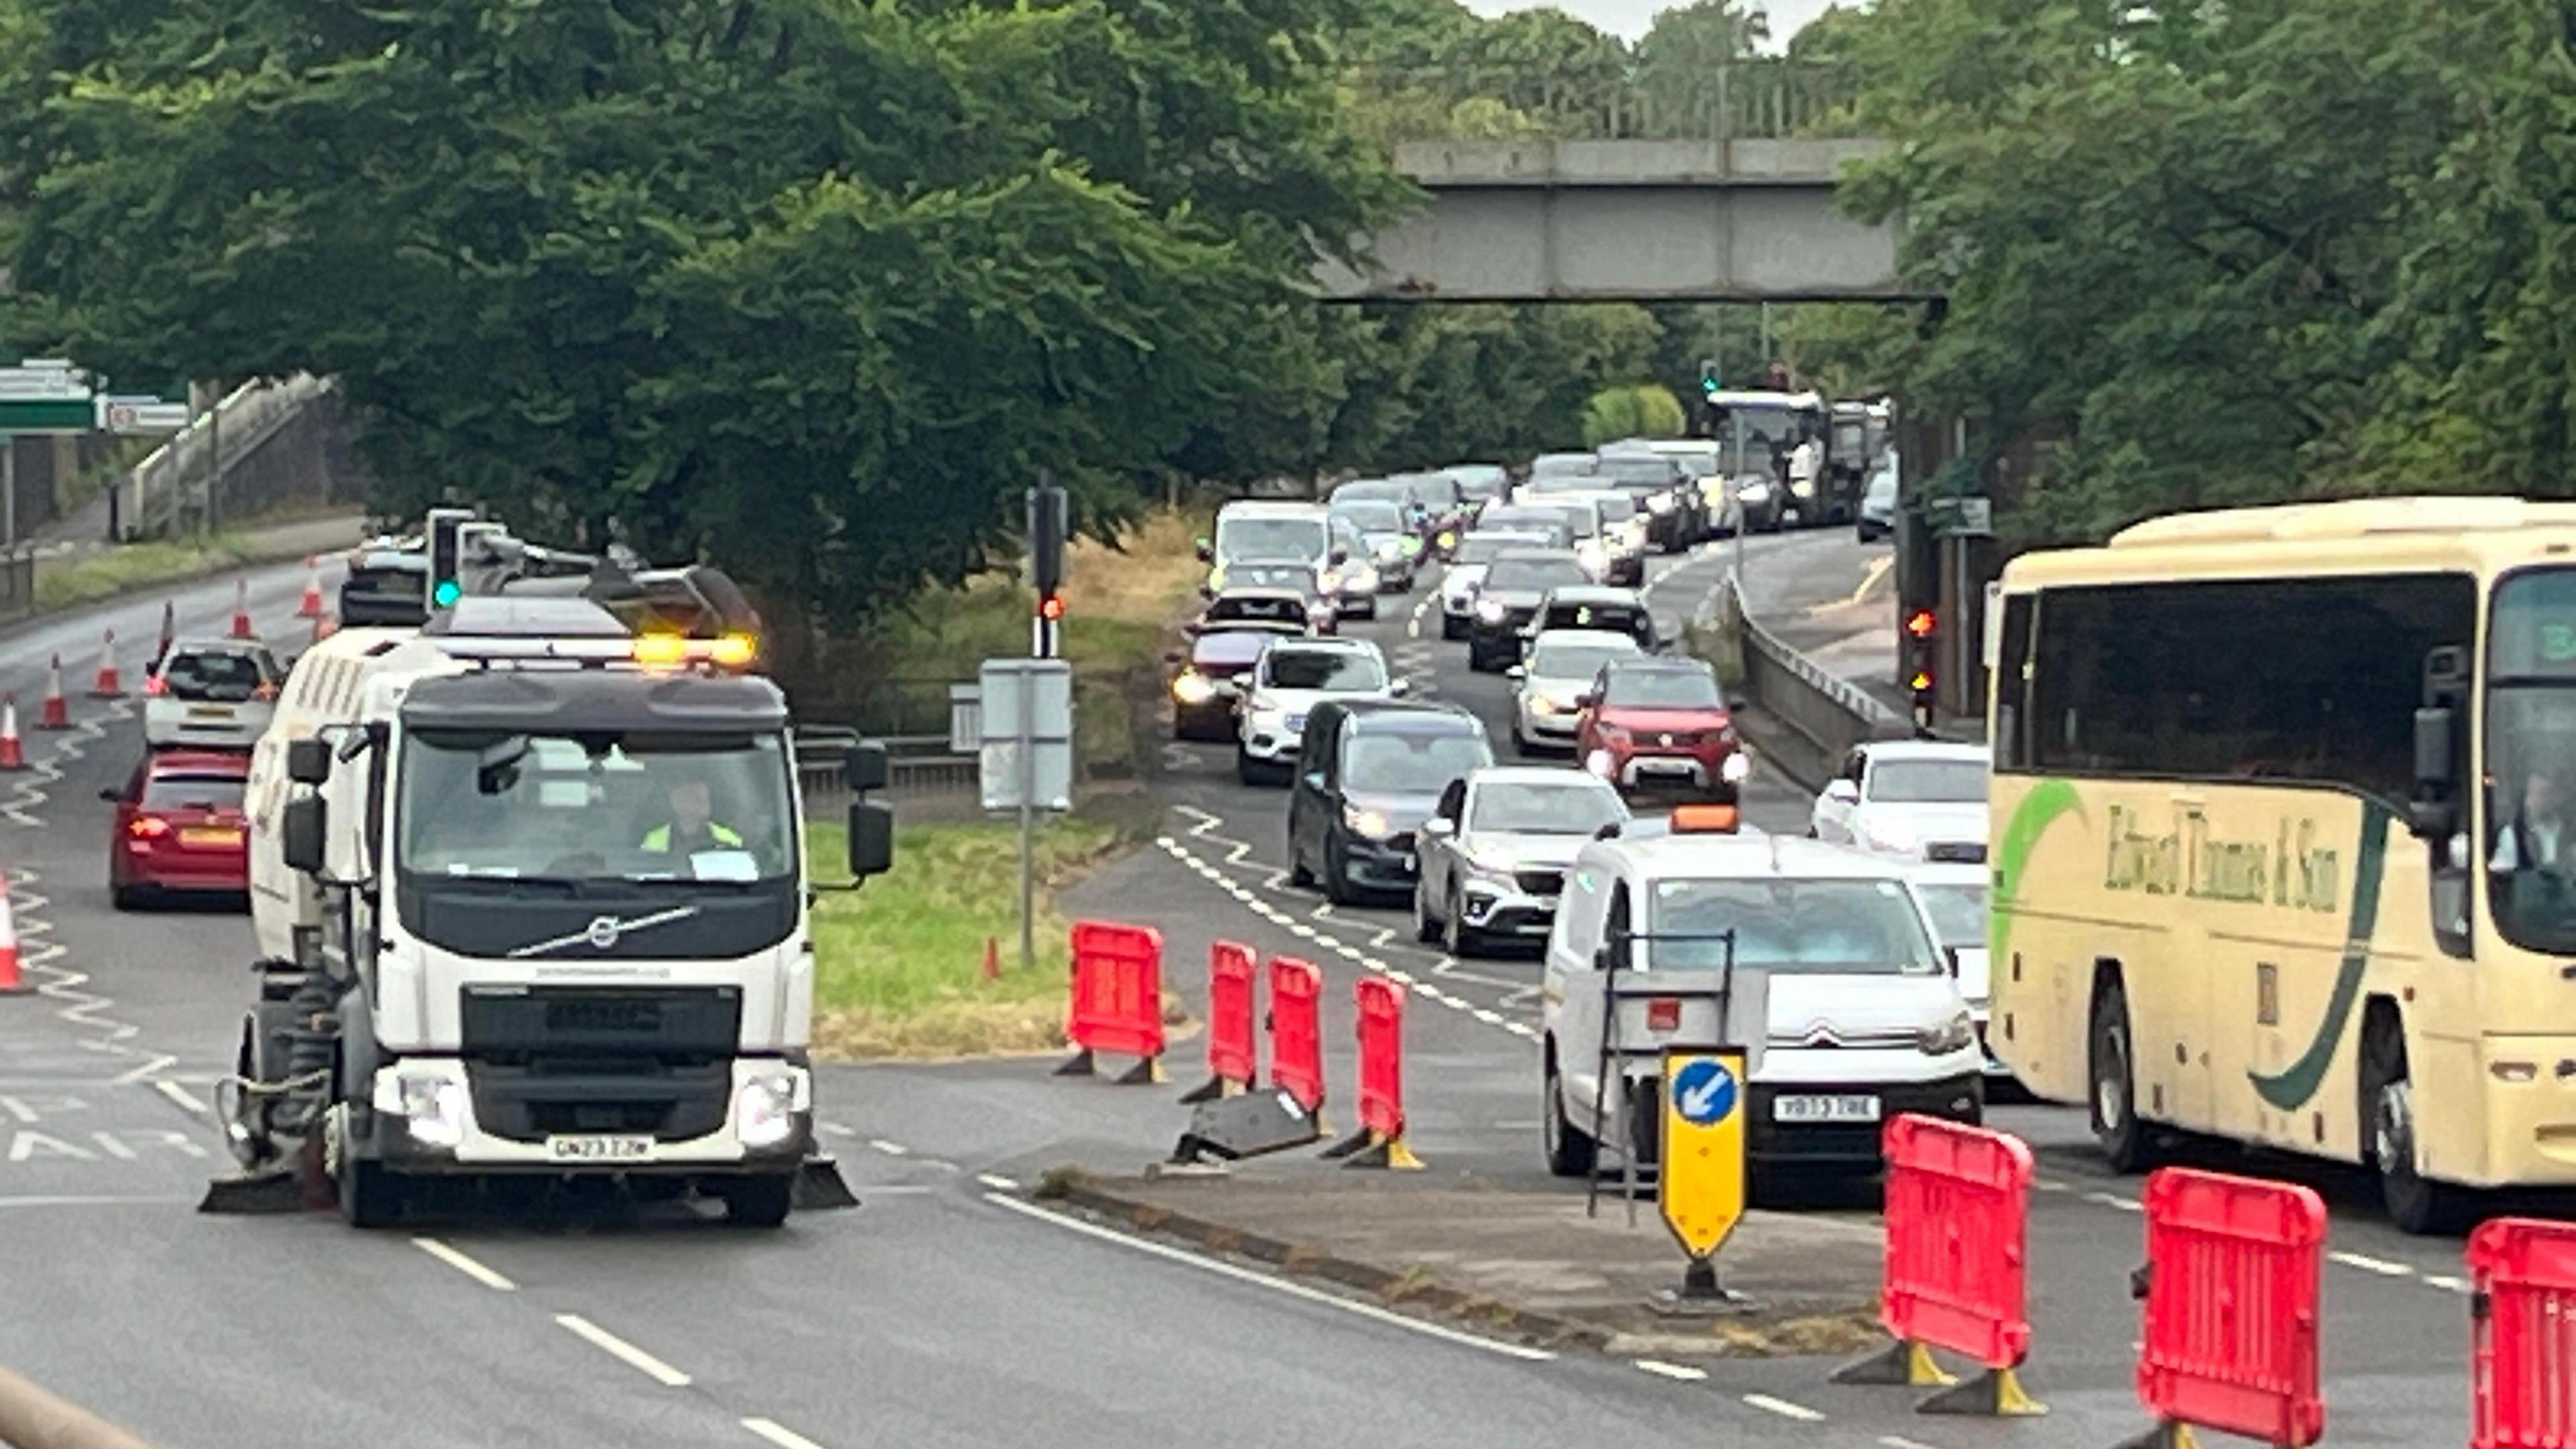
x=1661 y=724
x=180 y=827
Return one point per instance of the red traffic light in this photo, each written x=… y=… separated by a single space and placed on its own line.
x=1921 y=623
x=1051 y=607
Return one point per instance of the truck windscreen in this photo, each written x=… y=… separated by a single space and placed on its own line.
x=597 y=807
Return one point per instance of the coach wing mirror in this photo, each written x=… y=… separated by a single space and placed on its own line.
x=301 y=832
x=1842 y=792
x=308 y=761
x=2434 y=813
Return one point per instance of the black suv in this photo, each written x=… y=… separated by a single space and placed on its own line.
x=1369 y=772
x=1514 y=585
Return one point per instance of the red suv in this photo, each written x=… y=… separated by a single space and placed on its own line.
x=1661 y=724
x=180 y=827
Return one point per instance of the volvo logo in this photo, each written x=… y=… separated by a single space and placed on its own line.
x=602 y=934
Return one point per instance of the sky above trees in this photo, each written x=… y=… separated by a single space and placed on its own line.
x=1629 y=19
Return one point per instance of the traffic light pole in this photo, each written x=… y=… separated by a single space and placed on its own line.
x=1047 y=526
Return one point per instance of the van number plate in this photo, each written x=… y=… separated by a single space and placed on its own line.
x=1854 y=1107
x=599 y=1149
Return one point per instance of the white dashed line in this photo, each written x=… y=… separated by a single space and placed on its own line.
x=1661 y=1369
x=2447 y=1283
x=2380 y=1266
x=998 y=1182
x=186 y=1099
x=1489 y=1018
x=624 y=1352
x=2113 y=1200
x=1899 y=1441
x=1784 y=1408
x=779 y=1434
x=890 y=1149
x=1264 y=1280
x=465 y=1265
x=838 y=1130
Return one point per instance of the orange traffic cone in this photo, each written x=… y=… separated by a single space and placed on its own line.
x=311 y=607
x=169 y=632
x=110 y=683
x=241 y=609
x=13 y=751
x=12 y=983
x=992 y=958
x=57 y=712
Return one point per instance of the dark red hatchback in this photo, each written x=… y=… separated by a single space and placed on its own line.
x=180 y=827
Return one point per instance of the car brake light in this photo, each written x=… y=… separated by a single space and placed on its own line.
x=148 y=827
x=1664 y=1013
x=265 y=692
x=156 y=686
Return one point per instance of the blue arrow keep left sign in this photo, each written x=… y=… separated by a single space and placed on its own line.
x=1705 y=1093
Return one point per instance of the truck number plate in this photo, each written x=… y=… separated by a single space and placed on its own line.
x=598 y=1149
x=1854 y=1107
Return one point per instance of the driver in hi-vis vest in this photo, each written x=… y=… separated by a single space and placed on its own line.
x=693 y=827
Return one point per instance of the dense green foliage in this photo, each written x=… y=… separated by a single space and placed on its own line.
x=2230 y=253
x=1647 y=410
x=813 y=287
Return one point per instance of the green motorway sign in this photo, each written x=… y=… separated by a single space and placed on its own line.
x=47 y=415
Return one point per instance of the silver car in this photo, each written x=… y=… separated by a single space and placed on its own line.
x=1878 y=504
x=1494 y=853
x=1548 y=686
x=215 y=694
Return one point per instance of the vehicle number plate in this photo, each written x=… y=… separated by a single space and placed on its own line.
x=1852 y=1107
x=201 y=711
x=598 y=1149
x=210 y=837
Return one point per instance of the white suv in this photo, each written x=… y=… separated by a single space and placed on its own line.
x=1863 y=1019
x=1914 y=799
x=1291 y=678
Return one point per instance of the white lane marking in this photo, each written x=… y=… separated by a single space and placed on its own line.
x=2050 y=1184
x=1784 y=1408
x=2447 y=1283
x=624 y=1352
x=779 y=1434
x=2380 y=1266
x=1489 y=1018
x=998 y=1182
x=186 y=1099
x=1378 y=941
x=839 y=1130
x=465 y=1265
x=1661 y=1369
x=1264 y=1280
x=900 y=1189
x=1899 y=1441
x=890 y=1149
x=2113 y=1200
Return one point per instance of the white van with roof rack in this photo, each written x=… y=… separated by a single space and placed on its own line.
x=1864 y=1019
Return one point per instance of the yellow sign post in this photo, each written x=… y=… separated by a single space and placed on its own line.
x=1701 y=1184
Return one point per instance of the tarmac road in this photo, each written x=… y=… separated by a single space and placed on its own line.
x=947 y=1310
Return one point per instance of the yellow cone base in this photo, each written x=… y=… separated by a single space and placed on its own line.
x=1994 y=1394
x=1902 y=1364
x=2165 y=1436
x=1375 y=1149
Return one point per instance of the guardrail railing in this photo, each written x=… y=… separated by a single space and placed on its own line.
x=1830 y=714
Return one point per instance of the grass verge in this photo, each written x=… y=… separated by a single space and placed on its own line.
x=899 y=965
x=112 y=571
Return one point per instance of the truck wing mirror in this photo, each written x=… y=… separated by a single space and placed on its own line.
x=871 y=838
x=300 y=835
x=866 y=766
x=308 y=761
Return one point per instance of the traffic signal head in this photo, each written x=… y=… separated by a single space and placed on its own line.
x=1921 y=624
x=1920 y=681
x=446 y=556
x=1048 y=524
x=1051 y=607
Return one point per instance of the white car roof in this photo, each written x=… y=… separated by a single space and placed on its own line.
x=1735 y=857
x=1323 y=644
x=1535 y=775
x=1593 y=638
x=1927 y=750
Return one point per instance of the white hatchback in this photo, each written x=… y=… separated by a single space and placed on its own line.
x=1290 y=679
x=211 y=694
x=1913 y=799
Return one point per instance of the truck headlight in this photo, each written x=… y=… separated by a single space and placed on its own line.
x=1368 y=824
x=1490 y=610
x=1957 y=1034
x=765 y=1109
x=435 y=1110
x=1193 y=689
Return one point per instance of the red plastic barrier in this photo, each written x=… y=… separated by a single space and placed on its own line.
x=1297 y=1030
x=2233 y=1267
x=1230 y=1049
x=2526 y=1355
x=1381 y=1032
x=1117 y=989
x=1958 y=1232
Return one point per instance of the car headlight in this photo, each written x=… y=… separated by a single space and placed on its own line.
x=1662 y=503
x=1490 y=860
x=1540 y=704
x=1754 y=493
x=1369 y=824
x=1330 y=581
x=434 y=1108
x=1490 y=610
x=1388 y=550
x=765 y=1109
x=1408 y=547
x=1957 y=1034
x=1448 y=539
x=1600 y=763
x=1736 y=769
x=1193 y=688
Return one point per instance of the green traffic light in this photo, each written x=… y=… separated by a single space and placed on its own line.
x=447 y=593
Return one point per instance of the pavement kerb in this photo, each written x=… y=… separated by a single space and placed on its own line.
x=1394 y=1289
